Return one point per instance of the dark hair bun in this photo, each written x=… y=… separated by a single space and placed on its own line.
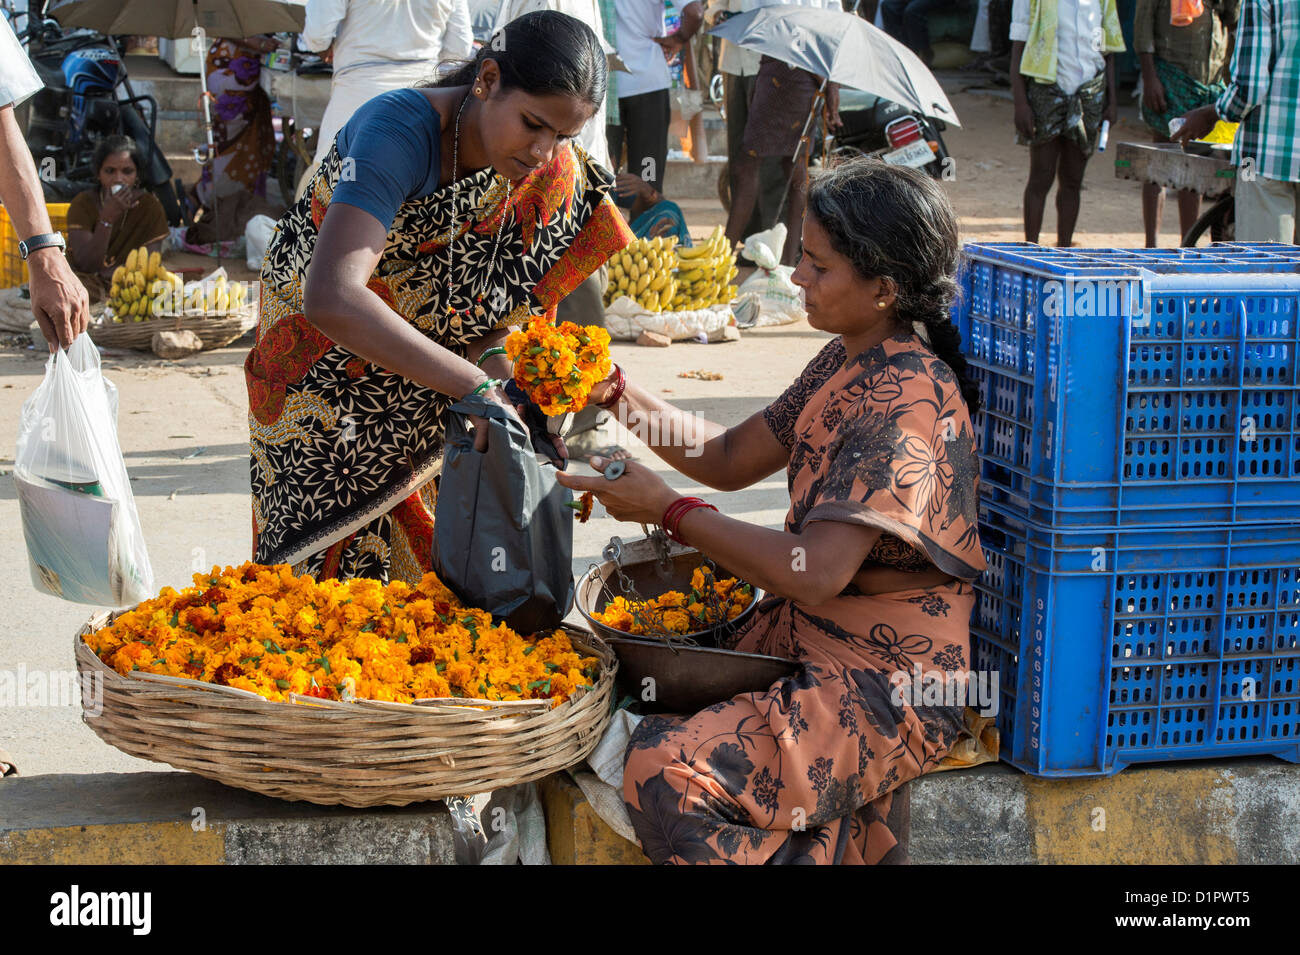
x=895 y=222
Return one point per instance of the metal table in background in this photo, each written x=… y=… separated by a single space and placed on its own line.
x=1208 y=171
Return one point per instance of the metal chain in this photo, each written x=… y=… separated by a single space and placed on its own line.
x=614 y=552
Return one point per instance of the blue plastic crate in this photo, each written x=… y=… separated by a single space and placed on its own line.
x=1136 y=386
x=1139 y=645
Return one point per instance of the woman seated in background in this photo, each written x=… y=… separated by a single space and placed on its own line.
x=871 y=575
x=108 y=221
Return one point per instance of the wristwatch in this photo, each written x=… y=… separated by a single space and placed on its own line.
x=45 y=241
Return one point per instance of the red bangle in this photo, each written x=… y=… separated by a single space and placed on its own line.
x=620 y=383
x=669 y=520
x=677 y=510
x=686 y=509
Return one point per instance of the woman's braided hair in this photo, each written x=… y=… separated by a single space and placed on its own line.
x=895 y=222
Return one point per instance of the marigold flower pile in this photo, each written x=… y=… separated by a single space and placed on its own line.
x=675 y=612
x=558 y=365
x=262 y=629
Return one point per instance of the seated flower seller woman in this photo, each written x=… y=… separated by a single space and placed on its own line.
x=872 y=572
x=109 y=221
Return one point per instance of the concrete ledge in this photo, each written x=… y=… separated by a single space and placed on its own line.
x=1235 y=811
x=1221 y=812
x=687 y=179
x=1240 y=811
x=575 y=835
x=151 y=818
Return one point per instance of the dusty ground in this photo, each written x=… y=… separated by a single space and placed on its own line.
x=183 y=429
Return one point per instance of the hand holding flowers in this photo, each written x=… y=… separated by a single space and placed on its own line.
x=558 y=366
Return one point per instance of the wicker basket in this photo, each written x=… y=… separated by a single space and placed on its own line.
x=214 y=330
x=364 y=753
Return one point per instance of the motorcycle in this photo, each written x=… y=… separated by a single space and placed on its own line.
x=871 y=127
x=87 y=97
x=889 y=131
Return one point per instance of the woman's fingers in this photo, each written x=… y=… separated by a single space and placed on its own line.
x=480 y=432
x=575 y=483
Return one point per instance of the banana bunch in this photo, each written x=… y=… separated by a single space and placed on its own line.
x=644 y=273
x=217 y=296
x=705 y=273
x=141 y=286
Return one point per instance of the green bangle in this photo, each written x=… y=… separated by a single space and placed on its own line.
x=486 y=386
x=494 y=350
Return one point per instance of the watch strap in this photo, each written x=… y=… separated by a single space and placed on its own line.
x=44 y=241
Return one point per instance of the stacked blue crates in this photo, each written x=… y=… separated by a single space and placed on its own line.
x=1140 y=500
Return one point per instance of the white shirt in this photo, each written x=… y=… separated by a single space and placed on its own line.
x=737 y=60
x=18 y=79
x=375 y=32
x=1079 y=36
x=592 y=138
x=637 y=24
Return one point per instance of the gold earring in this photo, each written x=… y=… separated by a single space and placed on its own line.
x=880 y=304
x=477 y=91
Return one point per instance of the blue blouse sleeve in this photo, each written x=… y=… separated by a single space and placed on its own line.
x=390 y=150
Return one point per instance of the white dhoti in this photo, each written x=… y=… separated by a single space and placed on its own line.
x=362 y=83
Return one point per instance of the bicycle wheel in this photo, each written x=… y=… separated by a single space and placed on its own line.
x=1218 y=220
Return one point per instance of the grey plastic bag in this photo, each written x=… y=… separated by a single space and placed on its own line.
x=502 y=528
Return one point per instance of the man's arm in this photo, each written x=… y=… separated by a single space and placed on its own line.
x=59 y=300
x=322 y=23
x=1024 y=116
x=1144 y=25
x=1248 y=76
x=692 y=17
x=458 y=37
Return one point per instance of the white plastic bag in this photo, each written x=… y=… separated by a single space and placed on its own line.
x=625 y=320
x=83 y=534
x=780 y=300
x=257 y=236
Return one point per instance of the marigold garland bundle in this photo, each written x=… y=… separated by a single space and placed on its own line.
x=262 y=629
x=710 y=602
x=558 y=365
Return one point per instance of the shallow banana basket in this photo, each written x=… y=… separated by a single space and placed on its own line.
x=363 y=753
x=215 y=329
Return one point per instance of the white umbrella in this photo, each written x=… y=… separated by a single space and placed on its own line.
x=179 y=18
x=844 y=49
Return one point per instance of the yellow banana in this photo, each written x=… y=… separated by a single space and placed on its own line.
x=130 y=261
x=659 y=281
